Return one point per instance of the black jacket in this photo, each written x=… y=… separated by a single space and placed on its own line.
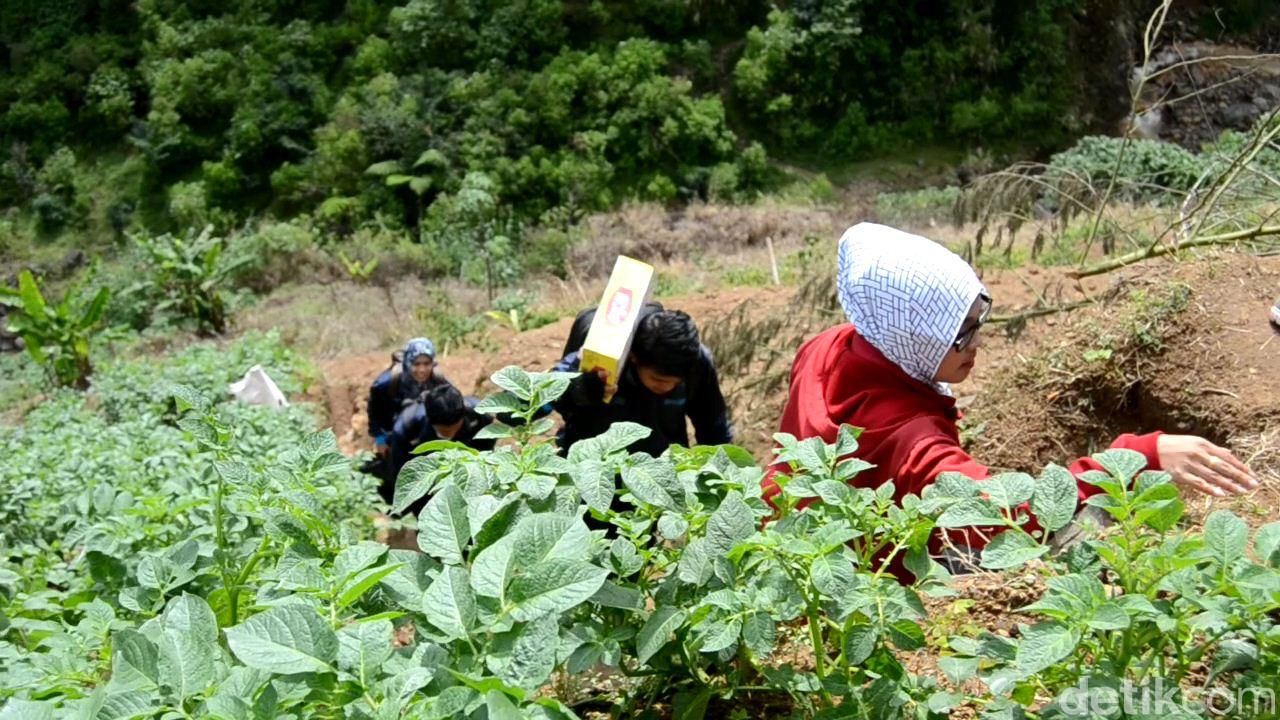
x=390 y=394
x=414 y=427
x=698 y=398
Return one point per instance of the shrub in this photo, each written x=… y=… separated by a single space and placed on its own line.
x=186 y=278
x=57 y=337
x=917 y=207
x=273 y=253
x=1148 y=171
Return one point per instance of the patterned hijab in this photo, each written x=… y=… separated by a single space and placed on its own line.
x=907 y=295
x=413 y=350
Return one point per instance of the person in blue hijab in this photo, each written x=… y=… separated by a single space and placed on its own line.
x=409 y=378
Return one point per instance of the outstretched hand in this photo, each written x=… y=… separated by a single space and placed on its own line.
x=1200 y=465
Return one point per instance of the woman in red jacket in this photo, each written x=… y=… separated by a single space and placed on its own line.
x=918 y=311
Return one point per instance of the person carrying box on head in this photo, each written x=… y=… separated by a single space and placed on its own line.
x=640 y=363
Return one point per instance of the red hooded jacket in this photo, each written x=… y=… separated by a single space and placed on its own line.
x=908 y=428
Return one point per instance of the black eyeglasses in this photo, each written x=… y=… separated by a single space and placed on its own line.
x=967 y=334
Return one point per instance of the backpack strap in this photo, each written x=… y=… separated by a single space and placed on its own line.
x=396 y=369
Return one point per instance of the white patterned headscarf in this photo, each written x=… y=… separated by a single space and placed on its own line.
x=907 y=295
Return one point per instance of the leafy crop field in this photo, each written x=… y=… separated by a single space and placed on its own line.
x=171 y=556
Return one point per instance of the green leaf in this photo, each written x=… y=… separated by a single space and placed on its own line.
x=859 y=642
x=1109 y=616
x=536 y=487
x=691 y=704
x=952 y=487
x=548 y=536
x=1226 y=537
x=672 y=527
x=432 y=157
x=969 y=513
x=653 y=481
x=657 y=631
x=17 y=709
x=420 y=185
x=906 y=634
x=958 y=669
x=449 y=605
x=494 y=521
x=493 y=567
x=97 y=307
x=188 y=645
x=495 y=430
x=730 y=524
x=1009 y=490
x=384 y=168
x=285 y=639
x=620 y=436
x=1054 y=501
x=500 y=707
x=542 y=426
x=433 y=446
x=357 y=557
x=417 y=478
x=595 y=484
x=1266 y=544
x=362 y=583
x=759 y=633
x=363 y=648
x=696 y=564
x=942 y=702
x=553 y=586
x=32 y=301
x=1011 y=548
x=832 y=492
x=443 y=529
x=717 y=635
x=515 y=381
x=134 y=662
x=406 y=585
x=128 y=705
x=451 y=701
x=1122 y=464
x=501 y=404
x=1069 y=597
x=617 y=596
x=832 y=575
x=1159 y=507
x=35 y=348
x=1045 y=644
x=533 y=654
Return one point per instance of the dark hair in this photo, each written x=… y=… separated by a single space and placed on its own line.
x=667 y=343
x=444 y=405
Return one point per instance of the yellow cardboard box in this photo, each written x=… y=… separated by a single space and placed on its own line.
x=617 y=317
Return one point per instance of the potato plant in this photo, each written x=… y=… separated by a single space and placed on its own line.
x=239 y=584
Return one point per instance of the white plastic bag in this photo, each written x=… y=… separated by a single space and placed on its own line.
x=258 y=389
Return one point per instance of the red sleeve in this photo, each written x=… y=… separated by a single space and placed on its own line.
x=929 y=458
x=939 y=454
x=1146 y=444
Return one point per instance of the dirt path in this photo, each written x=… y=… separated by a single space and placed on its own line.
x=346 y=379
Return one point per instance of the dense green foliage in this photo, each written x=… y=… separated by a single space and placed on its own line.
x=215 y=568
x=463 y=123
x=849 y=78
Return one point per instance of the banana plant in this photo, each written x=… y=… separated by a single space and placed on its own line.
x=56 y=336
